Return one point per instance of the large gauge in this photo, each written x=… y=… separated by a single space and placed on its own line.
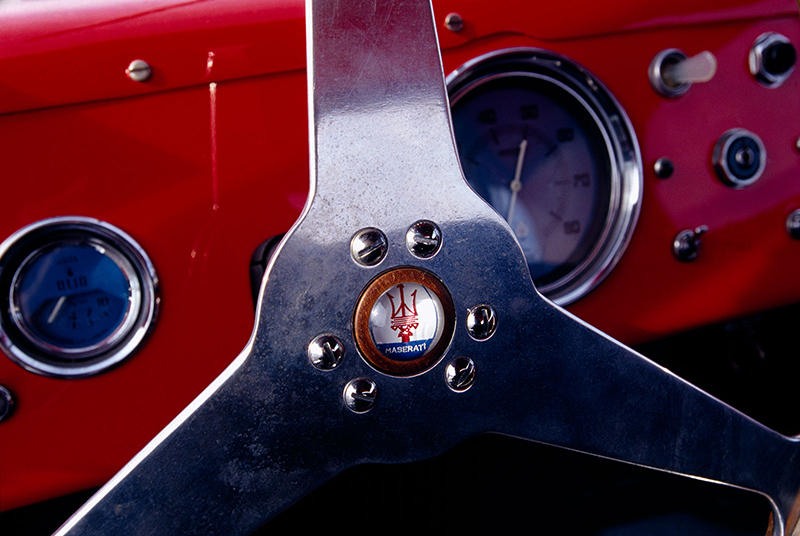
x=551 y=150
x=78 y=296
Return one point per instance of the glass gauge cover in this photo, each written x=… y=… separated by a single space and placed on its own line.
x=548 y=147
x=78 y=296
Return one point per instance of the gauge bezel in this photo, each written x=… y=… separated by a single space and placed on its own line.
x=21 y=343
x=625 y=161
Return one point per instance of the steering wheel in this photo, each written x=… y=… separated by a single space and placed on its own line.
x=398 y=318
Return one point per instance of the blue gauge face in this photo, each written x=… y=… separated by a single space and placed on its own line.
x=72 y=296
x=535 y=151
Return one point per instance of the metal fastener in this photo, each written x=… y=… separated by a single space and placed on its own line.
x=139 y=71
x=793 y=224
x=6 y=403
x=664 y=168
x=369 y=246
x=460 y=374
x=424 y=239
x=325 y=352
x=360 y=395
x=481 y=322
x=454 y=22
x=686 y=245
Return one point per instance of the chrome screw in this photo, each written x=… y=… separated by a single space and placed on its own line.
x=369 y=246
x=797 y=144
x=481 y=322
x=793 y=224
x=6 y=403
x=460 y=374
x=139 y=71
x=424 y=239
x=325 y=352
x=360 y=395
x=686 y=245
x=454 y=22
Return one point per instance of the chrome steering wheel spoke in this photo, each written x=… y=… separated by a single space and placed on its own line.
x=273 y=426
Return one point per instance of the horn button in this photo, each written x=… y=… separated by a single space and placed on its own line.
x=404 y=321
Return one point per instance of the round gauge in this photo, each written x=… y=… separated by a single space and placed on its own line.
x=79 y=295
x=548 y=147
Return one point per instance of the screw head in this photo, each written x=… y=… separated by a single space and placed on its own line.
x=325 y=352
x=481 y=322
x=424 y=239
x=454 y=22
x=139 y=71
x=6 y=403
x=360 y=395
x=793 y=224
x=664 y=168
x=460 y=374
x=369 y=246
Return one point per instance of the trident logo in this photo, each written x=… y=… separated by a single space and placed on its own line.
x=404 y=318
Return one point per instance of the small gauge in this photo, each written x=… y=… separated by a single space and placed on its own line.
x=79 y=296
x=548 y=147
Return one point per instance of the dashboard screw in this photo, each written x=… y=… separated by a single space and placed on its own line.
x=7 y=403
x=424 y=239
x=369 y=246
x=325 y=352
x=360 y=395
x=139 y=71
x=686 y=245
x=460 y=374
x=664 y=168
x=793 y=224
x=454 y=22
x=481 y=322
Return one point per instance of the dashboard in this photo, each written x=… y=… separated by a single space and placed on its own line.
x=647 y=158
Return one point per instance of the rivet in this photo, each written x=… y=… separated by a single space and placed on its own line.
x=664 y=168
x=139 y=71
x=360 y=395
x=424 y=239
x=454 y=22
x=325 y=352
x=369 y=246
x=481 y=322
x=460 y=374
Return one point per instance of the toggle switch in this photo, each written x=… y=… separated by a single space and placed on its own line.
x=672 y=72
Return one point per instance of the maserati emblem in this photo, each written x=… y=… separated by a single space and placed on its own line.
x=404 y=321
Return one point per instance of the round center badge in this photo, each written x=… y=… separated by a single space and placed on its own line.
x=404 y=321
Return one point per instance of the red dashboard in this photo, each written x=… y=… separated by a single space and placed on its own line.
x=208 y=158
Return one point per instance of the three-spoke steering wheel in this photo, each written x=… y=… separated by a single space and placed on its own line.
x=378 y=340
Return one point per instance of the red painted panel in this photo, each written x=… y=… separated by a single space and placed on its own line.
x=200 y=173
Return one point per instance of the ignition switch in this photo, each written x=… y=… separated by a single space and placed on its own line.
x=739 y=158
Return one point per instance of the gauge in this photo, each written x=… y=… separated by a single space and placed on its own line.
x=544 y=143
x=78 y=296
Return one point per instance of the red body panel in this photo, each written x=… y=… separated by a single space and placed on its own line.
x=210 y=158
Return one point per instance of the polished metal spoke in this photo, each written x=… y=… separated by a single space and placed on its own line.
x=274 y=426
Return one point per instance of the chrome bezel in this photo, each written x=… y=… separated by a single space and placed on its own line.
x=625 y=159
x=20 y=342
x=755 y=60
x=719 y=158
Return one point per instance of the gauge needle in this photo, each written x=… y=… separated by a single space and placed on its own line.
x=516 y=184
x=56 y=309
